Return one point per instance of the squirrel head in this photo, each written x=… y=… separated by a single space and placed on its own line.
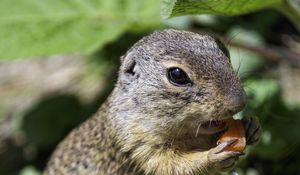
x=172 y=78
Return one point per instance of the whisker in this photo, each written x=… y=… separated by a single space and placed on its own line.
x=240 y=63
x=177 y=134
x=210 y=122
x=197 y=131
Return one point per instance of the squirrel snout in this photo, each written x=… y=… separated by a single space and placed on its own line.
x=236 y=102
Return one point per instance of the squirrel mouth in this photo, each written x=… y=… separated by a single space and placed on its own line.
x=214 y=126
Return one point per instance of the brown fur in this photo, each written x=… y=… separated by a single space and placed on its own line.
x=149 y=126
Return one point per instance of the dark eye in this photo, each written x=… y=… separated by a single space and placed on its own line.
x=178 y=77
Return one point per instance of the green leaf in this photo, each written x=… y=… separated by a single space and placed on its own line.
x=171 y=8
x=34 y=28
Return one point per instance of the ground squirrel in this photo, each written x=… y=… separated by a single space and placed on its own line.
x=174 y=90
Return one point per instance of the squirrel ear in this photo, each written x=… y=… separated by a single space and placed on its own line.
x=128 y=65
x=222 y=47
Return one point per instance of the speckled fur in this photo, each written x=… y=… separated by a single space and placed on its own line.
x=149 y=126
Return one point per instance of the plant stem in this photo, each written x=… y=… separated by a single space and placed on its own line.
x=271 y=53
x=291 y=8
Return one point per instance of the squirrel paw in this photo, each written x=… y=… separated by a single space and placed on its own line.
x=223 y=160
x=253 y=130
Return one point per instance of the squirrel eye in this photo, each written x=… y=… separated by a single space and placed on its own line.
x=178 y=77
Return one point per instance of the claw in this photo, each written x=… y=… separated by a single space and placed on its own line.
x=247 y=126
x=221 y=146
x=252 y=130
x=239 y=154
x=253 y=134
x=225 y=160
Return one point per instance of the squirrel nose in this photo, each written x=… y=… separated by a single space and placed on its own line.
x=236 y=102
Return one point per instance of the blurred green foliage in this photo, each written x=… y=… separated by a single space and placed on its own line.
x=62 y=111
x=35 y=28
x=103 y=31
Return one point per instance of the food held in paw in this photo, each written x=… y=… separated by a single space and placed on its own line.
x=235 y=131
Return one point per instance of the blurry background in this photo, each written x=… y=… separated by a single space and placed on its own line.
x=59 y=61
